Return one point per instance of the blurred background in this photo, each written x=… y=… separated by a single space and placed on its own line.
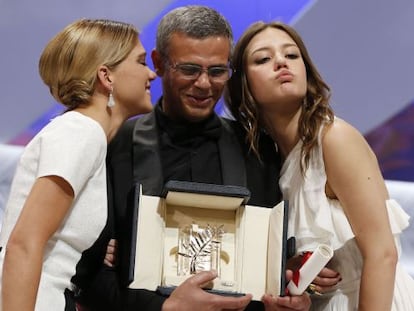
x=363 y=49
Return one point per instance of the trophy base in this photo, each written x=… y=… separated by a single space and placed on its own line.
x=217 y=284
x=167 y=290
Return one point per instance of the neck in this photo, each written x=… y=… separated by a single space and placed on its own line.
x=283 y=129
x=180 y=121
x=110 y=119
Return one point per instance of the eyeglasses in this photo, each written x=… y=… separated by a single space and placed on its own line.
x=218 y=74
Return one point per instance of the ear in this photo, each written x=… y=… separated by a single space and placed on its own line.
x=158 y=62
x=105 y=76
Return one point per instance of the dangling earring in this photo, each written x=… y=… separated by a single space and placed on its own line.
x=111 y=101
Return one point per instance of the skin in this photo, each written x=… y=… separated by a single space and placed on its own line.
x=110 y=256
x=291 y=85
x=132 y=84
x=353 y=174
x=190 y=296
x=43 y=214
x=277 y=303
x=193 y=101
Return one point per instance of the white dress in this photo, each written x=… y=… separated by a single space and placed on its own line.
x=315 y=219
x=73 y=147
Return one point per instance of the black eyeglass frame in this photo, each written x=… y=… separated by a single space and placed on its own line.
x=192 y=72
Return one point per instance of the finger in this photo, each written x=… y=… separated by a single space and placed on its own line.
x=289 y=275
x=271 y=303
x=108 y=263
x=327 y=281
x=202 y=278
x=328 y=273
x=232 y=303
x=109 y=259
x=313 y=289
x=324 y=288
x=112 y=244
x=218 y=301
x=301 y=302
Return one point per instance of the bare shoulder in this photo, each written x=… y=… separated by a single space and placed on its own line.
x=340 y=131
x=341 y=139
x=340 y=134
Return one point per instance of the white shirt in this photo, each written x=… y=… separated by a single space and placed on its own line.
x=73 y=147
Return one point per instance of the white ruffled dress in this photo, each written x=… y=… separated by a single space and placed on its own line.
x=316 y=219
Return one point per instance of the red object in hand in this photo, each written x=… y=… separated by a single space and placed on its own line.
x=296 y=273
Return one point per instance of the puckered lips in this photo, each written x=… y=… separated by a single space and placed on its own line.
x=284 y=75
x=148 y=88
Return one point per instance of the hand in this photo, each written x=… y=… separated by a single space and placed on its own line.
x=326 y=280
x=190 y=296
x=298 y=303
x=110 y=256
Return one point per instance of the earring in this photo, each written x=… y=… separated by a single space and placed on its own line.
x=111 y=101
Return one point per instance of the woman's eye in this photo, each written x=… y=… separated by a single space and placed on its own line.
x=262 y=60
x=292 y=56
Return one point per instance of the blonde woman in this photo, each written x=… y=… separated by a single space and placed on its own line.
x=57 y=206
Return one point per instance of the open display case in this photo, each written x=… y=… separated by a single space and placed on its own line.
x=195 y=227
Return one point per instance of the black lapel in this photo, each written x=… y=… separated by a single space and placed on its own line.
x=147 y=162
x=231 y=156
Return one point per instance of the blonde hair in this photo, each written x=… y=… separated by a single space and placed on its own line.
x=68 y=64
x=240 y=101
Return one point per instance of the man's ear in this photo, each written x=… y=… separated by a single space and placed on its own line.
x=158 y=62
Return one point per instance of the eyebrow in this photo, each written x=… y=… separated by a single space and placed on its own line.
x=265 y=48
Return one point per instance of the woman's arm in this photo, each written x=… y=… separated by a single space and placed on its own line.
x=47 y=204
x=355 y=179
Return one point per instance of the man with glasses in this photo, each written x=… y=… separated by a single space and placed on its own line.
x=184 y=139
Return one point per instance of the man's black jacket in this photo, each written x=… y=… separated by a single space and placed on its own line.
x=134 y=156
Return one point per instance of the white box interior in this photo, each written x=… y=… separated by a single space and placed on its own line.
x=246 y=243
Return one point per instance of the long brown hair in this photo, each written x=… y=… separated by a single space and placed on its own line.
x=244 y=108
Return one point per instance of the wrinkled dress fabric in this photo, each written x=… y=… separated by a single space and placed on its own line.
x=315 y=219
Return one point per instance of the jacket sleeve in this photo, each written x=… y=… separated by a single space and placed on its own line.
x=107 y=292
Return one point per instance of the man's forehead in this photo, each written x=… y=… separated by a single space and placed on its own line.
x=213 y=48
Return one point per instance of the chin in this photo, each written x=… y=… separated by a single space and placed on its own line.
x=146 y=108
x=197 y=115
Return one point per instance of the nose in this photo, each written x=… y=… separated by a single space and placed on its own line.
x=280 y=61
x=203 y=80
x=152 y=74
